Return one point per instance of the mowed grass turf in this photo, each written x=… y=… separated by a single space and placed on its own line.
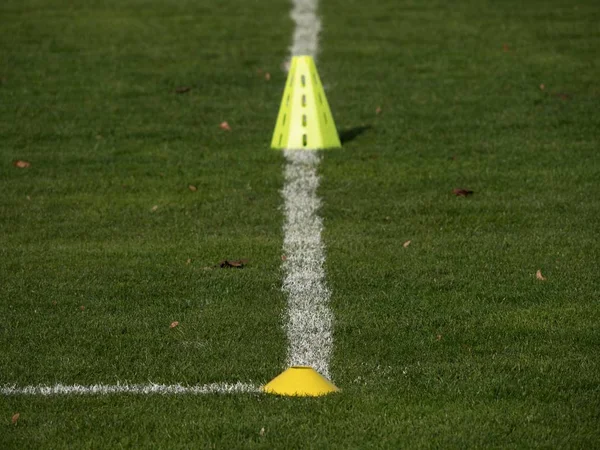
x=104 y=220
x=450 y=342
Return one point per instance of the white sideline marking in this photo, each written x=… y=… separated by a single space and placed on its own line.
x=309 y=317
x=308 y=26
x=104 y=389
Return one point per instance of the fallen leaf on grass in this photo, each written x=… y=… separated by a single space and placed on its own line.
x=378 y=110
x=406 y=244
x=505 y=48
x=183 y=89
x=173 y=324
x=82 y=308
x=225 y=126
x=15 y=418
x=19 y=163
x=267 y=76
x=192 y=188
x=462 y=192
x=238 y=264
x=539 y=275
x=154 y=208
x=438 y=337
x=542 y=87
x=189 y=261
x=283 y=258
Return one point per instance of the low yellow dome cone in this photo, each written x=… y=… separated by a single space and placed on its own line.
x=304 y=120
x=300 y=381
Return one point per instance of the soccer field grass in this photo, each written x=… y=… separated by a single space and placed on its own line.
x=448 y=342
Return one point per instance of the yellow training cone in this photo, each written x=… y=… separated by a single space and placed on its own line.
x=300 y=381
x=304 y=120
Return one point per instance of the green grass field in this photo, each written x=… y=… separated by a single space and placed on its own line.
x=450 y=342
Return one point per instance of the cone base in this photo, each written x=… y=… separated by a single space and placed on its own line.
x=300 y=381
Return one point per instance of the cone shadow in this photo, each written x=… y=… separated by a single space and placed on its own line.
x=349 y=134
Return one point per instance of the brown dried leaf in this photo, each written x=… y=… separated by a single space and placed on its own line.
x=462 y=192
x=82 y=308
x=238 y=264
x=154 y=208
x=225 y=126
x=542 y=87
x=183 y=89
x=539 y=275
x=438 y=337
x=267 y=76
x=283 y=258
x=406 y=244
x=173 y=324
x=505 y=48
x=15 y=418
x=192 y=188
x=378 y=110
x=19 y=163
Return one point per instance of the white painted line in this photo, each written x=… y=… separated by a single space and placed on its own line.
x=309 y=319
x=308 y=26
x=104 y=389
x=309 y=325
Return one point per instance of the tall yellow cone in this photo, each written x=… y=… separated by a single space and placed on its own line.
x=304 y=120
x=300 y=381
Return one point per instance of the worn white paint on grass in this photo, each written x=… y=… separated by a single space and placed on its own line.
x=309 y=317
x=307 y=28
x=144 y=389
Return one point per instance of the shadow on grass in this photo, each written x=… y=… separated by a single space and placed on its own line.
x=349 y=134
